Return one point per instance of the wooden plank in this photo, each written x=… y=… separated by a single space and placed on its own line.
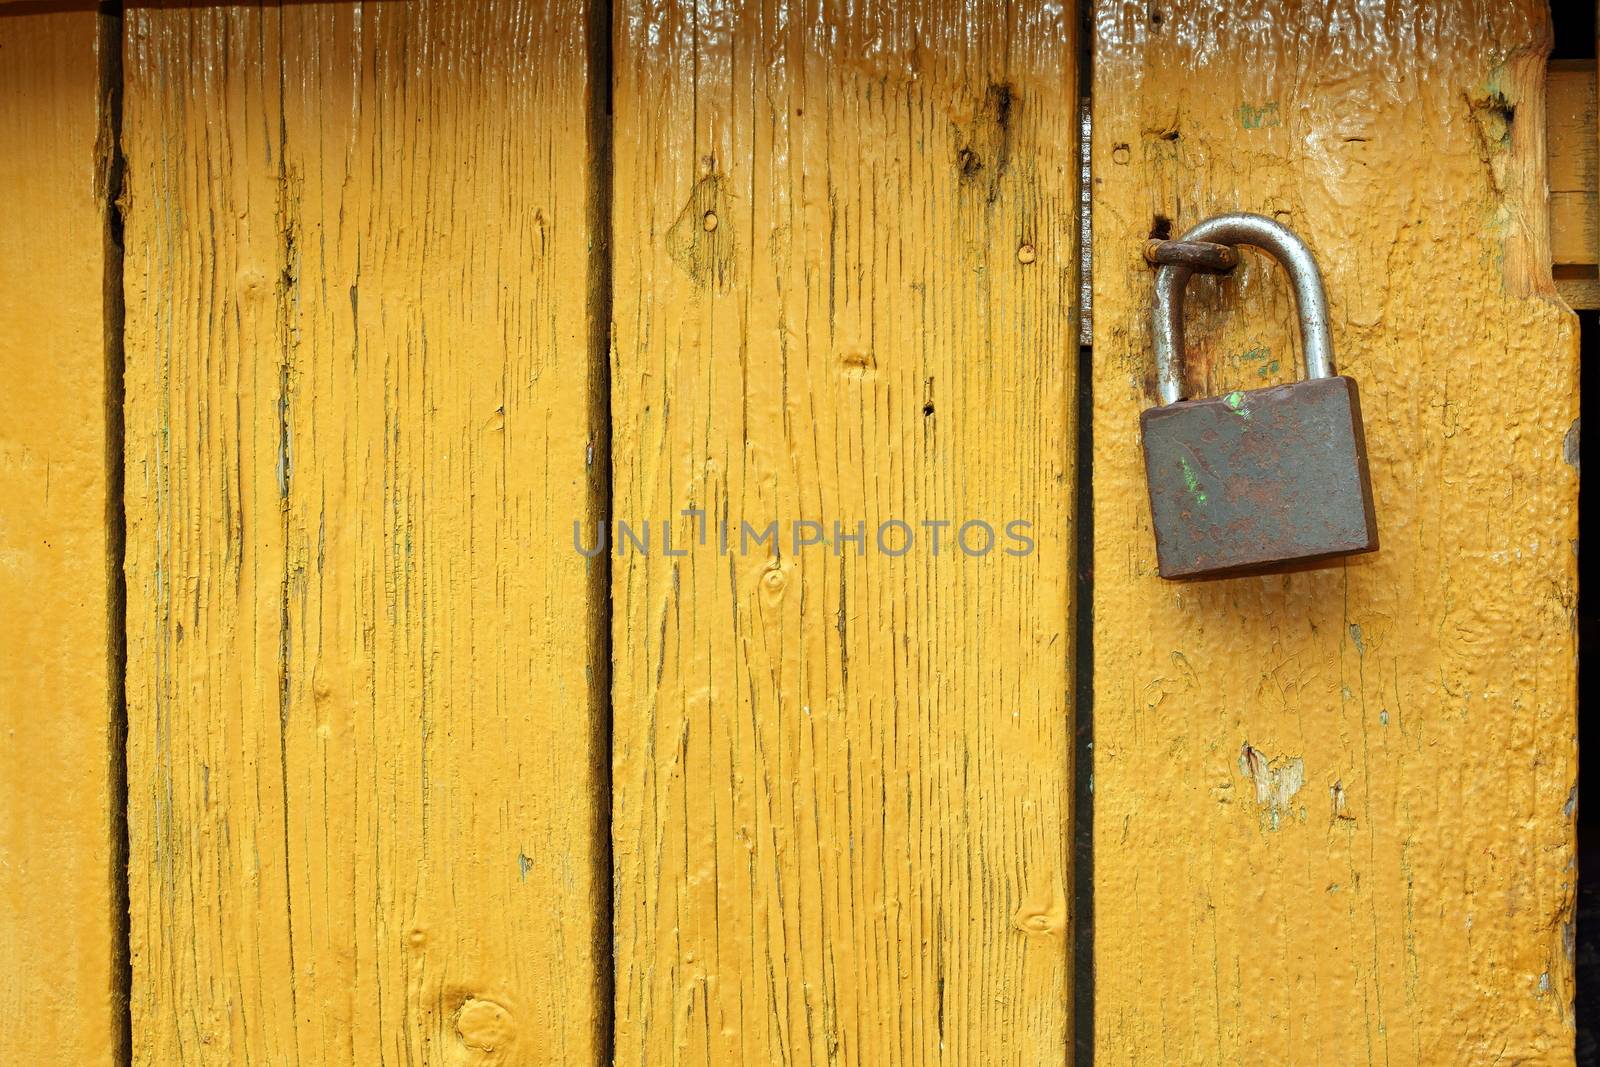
x=61 y=961
x=844 y=294
x=365 y=692
x=1574 y=162
x=1580 y=294
x=1334 y=809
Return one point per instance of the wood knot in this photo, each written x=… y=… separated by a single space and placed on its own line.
x=484 y=1026
x=1043 y=913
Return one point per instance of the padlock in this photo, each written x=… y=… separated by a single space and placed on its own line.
x=1259 y=480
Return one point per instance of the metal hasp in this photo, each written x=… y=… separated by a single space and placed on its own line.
x=1259 y=480
x=1204 y=256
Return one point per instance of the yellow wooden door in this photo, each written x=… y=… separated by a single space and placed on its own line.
x=1333 y=811
x=365 y=710
x=335 y=333
x=845 y=275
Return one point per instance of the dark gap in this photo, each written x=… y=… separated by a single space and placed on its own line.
x=1083 y=599
x=1574 y=30
x=1083 y=725
x=598 y=17
x=109 y=169
x=1161 y=228
x=1582 y=271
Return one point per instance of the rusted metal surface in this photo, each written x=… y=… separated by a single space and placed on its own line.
x=1260 y=480
x=1208 y=257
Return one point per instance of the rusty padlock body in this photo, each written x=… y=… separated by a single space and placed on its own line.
x=1259 y=480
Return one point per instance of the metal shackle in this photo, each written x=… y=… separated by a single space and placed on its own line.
x=1277 y=240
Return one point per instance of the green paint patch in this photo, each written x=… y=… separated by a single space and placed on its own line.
x=1260 y=117
x=1192 y=482
x=1235 y=402
x=1258 y=358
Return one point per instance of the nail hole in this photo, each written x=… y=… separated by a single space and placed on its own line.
x=927 y=409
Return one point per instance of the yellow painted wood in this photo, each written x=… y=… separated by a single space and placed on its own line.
x=366 y=817
x=1334 y=809
x=845 y=283
x=60 y=996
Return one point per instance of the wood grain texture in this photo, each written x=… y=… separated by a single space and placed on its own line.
x=1334 y=809
x=365 y=765
x=845 y=277
x=60 y=976
x=1574 y=162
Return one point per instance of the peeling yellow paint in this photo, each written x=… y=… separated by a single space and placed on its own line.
x=365 y=679
x=841 y=780
x=1276 y=781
